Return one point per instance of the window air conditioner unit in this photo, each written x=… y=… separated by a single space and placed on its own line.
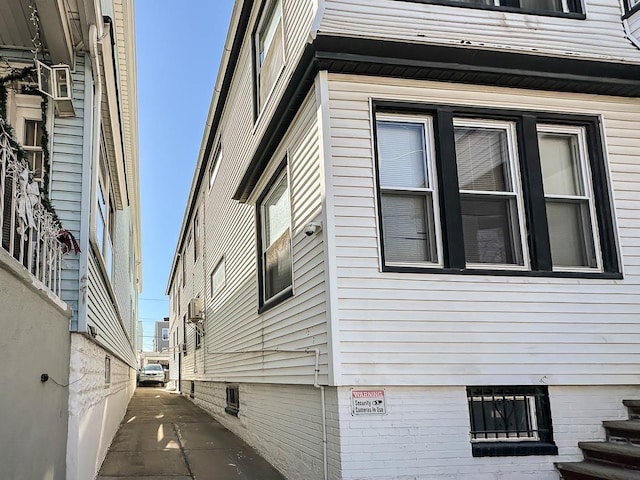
x=55 y=82
x=195 y=310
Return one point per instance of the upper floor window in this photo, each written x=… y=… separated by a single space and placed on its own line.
x=196 y=236
x=32 y=145
x=105 y=215
x=503 y=192
x=632 y=6
x=544 y=7
x=165 y=334
x=214 y=165
x=274 y=214
x=269 y=50
x=218 y=278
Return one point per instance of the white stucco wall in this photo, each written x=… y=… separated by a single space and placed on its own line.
x=95 y=409
x=34 y=341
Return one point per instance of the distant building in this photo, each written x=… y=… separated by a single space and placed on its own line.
x=161 y=336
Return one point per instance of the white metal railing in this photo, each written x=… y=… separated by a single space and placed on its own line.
x=29 y=233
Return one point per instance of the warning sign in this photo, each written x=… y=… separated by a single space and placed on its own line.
x=367 y=402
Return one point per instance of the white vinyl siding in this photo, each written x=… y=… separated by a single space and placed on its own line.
x=231 y=320
x=600 y=36
x=435 y=329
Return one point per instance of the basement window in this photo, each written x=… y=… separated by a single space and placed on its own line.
x=233 y=400
x=510 y=421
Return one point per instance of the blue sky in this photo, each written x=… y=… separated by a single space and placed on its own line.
x=179 y=45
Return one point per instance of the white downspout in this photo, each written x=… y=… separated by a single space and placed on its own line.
x=95 y=34
x=325 y=463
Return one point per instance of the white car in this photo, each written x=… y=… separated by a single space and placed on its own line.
x=153 y=373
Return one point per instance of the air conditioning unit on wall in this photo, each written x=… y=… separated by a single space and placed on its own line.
x=194 y=313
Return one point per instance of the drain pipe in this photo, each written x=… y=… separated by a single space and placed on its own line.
x=95 y=35
x=325 y=463
x=316 y=372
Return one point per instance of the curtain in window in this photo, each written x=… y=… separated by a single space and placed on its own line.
x=406 y=193
x=487 y=198
x=277 y=240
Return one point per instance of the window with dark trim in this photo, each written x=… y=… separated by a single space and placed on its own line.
x=268 y=46
x=572 y=8
x=492 y=191
x=184 y=335
x=199 y=331
x=631 y=6
x=196 y=236
x=107 y=371
x=510 y=421
x=233 y=400
x=273 y=218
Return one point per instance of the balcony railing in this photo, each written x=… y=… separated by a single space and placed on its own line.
x=29 y=231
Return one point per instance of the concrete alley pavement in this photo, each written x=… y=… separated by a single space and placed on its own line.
x=164 y=436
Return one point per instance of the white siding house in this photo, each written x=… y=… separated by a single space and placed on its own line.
x=410 y=246
x=75 y=134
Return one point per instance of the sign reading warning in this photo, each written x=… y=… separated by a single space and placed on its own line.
x=367 y=402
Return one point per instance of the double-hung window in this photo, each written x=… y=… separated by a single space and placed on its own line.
x=407 y=190
x=492 y=191
x=274 y=218
x=32 y=146
x=490 y=199
x=269 y=50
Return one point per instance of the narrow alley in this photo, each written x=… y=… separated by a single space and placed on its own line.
x=165 y=436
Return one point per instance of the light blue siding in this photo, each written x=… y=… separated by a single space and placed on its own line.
x=66 y=183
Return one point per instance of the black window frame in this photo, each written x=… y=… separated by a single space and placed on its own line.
x=576 y=9
x=523 y=446
x=630 y=9
x=185 y=350
x=267 y=7
x=266 y=304
x=537 y=238
x=233 y=400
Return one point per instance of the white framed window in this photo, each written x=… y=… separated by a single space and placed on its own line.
x=573 y=232
x=218 y=278
x=214 y=165
x=165 y=334
x=105 y=215
x=490 y=197
x=196 y=236
x=510 y=420
x=269 y=50
x=408 y=194
x=502 y=191
x=107 y=371
x=32 y=145
x=275 y=234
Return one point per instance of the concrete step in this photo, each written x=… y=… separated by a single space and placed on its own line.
x=623 y=431
x=634 y=408
x=595 y=471
x=627 y=456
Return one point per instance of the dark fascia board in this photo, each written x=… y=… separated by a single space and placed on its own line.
x=459 y=64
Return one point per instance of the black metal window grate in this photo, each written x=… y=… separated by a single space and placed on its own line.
x=515 y=416
x=233 y=400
